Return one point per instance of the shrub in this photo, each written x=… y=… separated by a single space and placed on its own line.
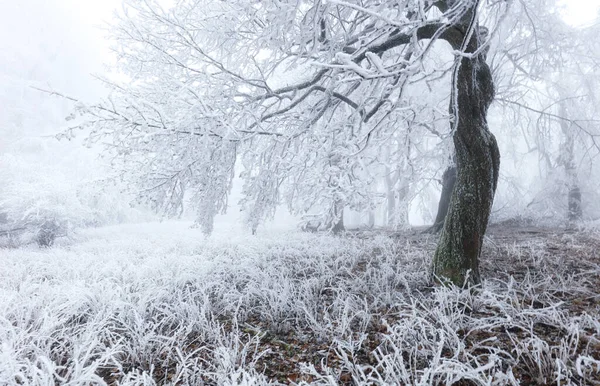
x=37 y=203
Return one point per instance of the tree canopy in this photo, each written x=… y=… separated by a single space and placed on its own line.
x=305 y=93
x=318 y=103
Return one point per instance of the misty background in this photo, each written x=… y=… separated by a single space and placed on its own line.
x=63 y=46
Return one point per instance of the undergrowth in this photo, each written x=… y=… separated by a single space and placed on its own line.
x=158 y=305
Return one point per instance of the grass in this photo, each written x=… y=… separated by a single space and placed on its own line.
x=157 y=304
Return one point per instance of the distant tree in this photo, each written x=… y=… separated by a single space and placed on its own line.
x=546 y=96
x=448 y=182
x=37 y=203
x=43 y=194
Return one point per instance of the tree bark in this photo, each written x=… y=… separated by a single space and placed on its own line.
x=397 y=186
x=456 y=258
x=448 y=182
x=397 y=205
x=390 y=198
x=371 y=219
x=402 y=206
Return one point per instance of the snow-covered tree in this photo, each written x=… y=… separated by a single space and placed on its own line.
x=211 y=82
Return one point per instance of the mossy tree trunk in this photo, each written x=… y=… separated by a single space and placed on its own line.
x=456 y=259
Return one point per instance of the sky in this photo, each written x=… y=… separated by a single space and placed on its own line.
x=54 y=45
x=59 y=40
x=581 y=12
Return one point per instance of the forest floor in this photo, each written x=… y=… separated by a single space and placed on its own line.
x=157 y=304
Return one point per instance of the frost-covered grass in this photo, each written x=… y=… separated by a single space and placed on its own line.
x=158 y=304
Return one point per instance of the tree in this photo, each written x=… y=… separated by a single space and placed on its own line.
x=322 y=81
x=477 y=157
x=546 y=82
x=397 y=179
x=37 y=203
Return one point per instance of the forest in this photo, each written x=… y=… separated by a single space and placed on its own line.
x=303 y=192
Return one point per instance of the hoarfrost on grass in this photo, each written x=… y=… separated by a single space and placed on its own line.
x=160 y=304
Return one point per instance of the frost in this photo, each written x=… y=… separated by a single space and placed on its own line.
x=157 y=303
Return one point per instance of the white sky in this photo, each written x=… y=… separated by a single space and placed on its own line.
x=581 y=12
x=56 y=41
x=59 y=44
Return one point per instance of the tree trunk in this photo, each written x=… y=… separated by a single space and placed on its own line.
x=397 y=205
x=390 y=198
x=371 y=219
x=575 y=211
x=448 y=182
x=397 y=186
x=338 y=218
x=456 y=258
x=402 y=206
x=339 y=227
x=567 y=158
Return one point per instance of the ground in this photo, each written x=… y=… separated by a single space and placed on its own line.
x=146 y=304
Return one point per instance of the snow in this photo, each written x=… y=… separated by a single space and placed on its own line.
x=158 y=303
